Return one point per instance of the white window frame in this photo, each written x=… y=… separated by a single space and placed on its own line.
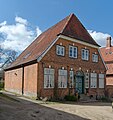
x=101 y=80
x=49 y=78
x=71 y=75
x=93 y=82
x=72 y=51
x=95 y=57
x=85 y=54
x=60 y=50
x=86 y=80
x=62 y=78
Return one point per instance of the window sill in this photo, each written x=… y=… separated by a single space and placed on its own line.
x=62 y=88
x=85 y=60
x=61 y=55
x=94 y=62
x=73 y=57
x=49 y=88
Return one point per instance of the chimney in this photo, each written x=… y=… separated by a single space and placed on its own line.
x=108 y=42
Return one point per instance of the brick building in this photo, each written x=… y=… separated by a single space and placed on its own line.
x=107 y=54
x=62 y=60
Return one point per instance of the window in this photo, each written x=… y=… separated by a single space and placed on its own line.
x=94 y=57
x=86 y=80
x=93 y=83
x=62 y=78
x=72 y=52
x=101 y=80
x=85 y=54
x=60 y=50
x=71 y=79
x=48 y=78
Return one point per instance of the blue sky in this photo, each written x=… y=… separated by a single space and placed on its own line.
x=22 y=20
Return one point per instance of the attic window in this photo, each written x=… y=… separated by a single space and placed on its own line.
x=27 y=55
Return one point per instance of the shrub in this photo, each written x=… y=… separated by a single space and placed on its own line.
x=103 y=99
x=70 y=98
x=1 y=85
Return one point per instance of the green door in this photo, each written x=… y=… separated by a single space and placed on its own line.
x=80 y=84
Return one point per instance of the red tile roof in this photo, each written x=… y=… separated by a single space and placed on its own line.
x=107 y=53
x=70 y=26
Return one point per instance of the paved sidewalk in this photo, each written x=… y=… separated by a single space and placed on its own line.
x=22 y=108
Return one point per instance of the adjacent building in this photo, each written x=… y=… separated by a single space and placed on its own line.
x=62 y=60
x=107 y=54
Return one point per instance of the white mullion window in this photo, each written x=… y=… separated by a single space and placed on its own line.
x=94 y=57
x=93 y=83
x=86 y=80
x=60 y=50
x=48 y=78
x=62 y=78
x=85 y=54
x=71 y=79
x=101 y=80
x=72 y=51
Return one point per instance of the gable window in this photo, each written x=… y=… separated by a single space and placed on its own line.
x=72 y=52
x=62 y=78
x=94 y=57
x=85 y=54
x=93 y=83
x=86 y=80
x=101 y=80
x=48 y=78
x=60 y=50
x=71 y=79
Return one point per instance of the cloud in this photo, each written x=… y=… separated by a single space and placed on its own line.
x=21 y=20
x=3 y=23
x=99 y=37
x=38 y=31
x=17 y=36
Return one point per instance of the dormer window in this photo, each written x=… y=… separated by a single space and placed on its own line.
x=60 y=50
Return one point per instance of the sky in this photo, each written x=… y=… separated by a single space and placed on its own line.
x=21 y=21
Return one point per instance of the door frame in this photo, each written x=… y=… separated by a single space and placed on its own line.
x=78 y=74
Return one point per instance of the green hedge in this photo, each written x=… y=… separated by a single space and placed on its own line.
x=70 y=98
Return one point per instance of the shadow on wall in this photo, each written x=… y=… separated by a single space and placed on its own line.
x=109 y=91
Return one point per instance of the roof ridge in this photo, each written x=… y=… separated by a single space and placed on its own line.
x=70 y=16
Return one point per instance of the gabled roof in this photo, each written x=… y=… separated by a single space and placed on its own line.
x=107 y=53
x=69 y=26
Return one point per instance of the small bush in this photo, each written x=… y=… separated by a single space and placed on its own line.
x=103 y=99
x=70 y=98
x=1 y=85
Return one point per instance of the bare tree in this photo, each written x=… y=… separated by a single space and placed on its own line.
x=7 y=57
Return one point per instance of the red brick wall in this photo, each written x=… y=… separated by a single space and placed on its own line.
x=109 y=80
x=109 y=85
x=34 y=77
x=58 y=61
x=13 y=80
x=30 y=80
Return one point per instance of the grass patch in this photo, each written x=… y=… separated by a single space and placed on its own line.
x=8 y=97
